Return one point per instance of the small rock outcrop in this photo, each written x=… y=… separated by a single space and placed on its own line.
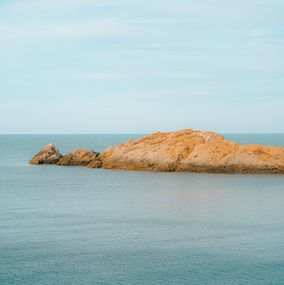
x=81 y=157
x=48 y=155
x=196 y=151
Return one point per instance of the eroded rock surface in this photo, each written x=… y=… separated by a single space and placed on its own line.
x=81 y=157
x=196 y=151
x=48 y=155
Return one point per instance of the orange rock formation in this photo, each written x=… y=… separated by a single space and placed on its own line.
x=185 y=150
x=196 y=151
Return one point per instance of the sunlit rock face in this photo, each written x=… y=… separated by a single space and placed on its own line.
x=81 y=157
x=196 y=151
x=48 y=155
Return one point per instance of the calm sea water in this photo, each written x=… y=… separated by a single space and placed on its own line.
x=69 y=225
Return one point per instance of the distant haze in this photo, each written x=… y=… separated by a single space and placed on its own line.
x=124 y=66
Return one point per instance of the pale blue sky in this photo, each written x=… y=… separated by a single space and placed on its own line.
x=133 y=66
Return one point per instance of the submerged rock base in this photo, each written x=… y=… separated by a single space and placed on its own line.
x=185 y=150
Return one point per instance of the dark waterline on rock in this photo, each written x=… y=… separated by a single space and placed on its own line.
x=93 y=226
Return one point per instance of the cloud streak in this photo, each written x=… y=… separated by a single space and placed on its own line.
x=80 y=29
x=96 y=28
x=177 y=93
x=33 y=6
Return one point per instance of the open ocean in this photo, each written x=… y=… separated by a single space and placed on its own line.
x=72 y=225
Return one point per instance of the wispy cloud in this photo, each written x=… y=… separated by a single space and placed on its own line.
x=79 y=29
x=166 y=47
x=177 y=93
x=96 y=28
x=88 y=75
x=165 y=21
x=110 y=76
x=21 y=20
x=24 y=6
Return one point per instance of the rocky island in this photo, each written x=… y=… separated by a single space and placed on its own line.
x=185 y=150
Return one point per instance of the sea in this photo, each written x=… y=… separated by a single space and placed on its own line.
x=72 y=225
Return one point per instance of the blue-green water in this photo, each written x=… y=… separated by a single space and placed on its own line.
x=69 y=225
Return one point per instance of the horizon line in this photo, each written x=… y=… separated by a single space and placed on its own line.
x=224 y=133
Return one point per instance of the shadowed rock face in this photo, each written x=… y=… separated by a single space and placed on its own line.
x=81 y=157
x=49 y=155
x=196 y=151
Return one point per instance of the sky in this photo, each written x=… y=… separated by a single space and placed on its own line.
x=125 y=66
